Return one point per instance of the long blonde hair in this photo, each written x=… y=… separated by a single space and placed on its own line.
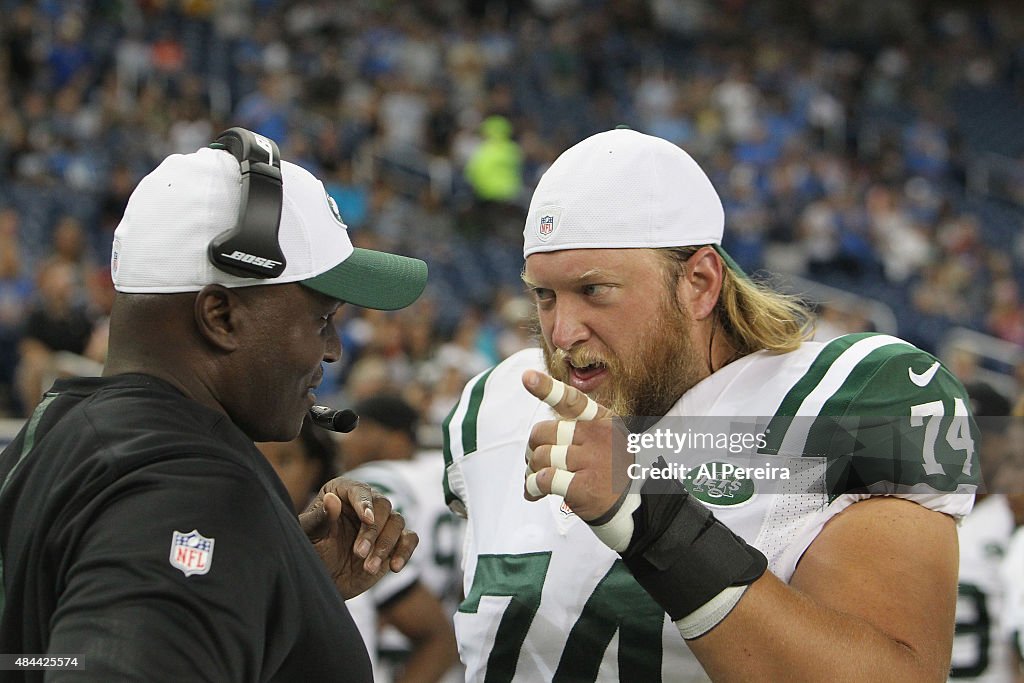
x=753 y=316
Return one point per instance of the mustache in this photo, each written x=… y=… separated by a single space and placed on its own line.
x=580 y=357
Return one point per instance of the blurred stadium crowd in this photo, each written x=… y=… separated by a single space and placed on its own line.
x=868 y=151
x=843 y=137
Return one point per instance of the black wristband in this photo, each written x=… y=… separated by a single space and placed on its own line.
x=681 y=555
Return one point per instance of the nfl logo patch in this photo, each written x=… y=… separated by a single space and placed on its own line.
x=566 y=510
x=192 y=553
x=547 y=225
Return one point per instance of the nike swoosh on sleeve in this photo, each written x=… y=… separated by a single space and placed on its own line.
x=925 y=377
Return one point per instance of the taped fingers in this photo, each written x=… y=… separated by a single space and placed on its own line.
x=560 y=482
x=590 y=411
x=558 y=456
x=531 y=486
x=568 y=401
x=566 y=430
x=555 y=394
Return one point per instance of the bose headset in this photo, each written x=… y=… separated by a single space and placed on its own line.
x=251 y=248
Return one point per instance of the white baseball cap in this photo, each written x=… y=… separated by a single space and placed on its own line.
x=619 y=190
x=160 y=246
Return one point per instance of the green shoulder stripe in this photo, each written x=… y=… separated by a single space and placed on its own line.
x=446 y=448
x=469 y=430
x=828 y=355
x=886 y=416
x=783 y=418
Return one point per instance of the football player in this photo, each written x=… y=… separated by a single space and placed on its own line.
x=844 y=569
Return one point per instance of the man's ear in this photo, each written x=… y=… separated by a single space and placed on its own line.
x=216 y=312
x=701 y=283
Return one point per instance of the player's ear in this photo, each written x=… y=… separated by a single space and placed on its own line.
x=700 y=285
x=216 y=311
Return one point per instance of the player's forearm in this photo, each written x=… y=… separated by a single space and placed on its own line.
x=777 y=633
x=430 y=659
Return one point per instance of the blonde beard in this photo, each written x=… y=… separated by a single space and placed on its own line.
x=665 y=365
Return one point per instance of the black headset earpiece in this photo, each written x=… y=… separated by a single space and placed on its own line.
x=251 y=248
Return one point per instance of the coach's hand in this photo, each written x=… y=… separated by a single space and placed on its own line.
x=574 y=457
x=357 y=535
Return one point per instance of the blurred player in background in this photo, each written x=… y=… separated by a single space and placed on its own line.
x=981 y=648
x=384 y=452
x=1012 y=483
x=401 y=600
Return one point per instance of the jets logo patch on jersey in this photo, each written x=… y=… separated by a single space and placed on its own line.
x=191 y=552
x=713 y=483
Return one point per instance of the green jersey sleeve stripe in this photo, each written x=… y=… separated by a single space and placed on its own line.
x=824 y=378
x=862 y=375
x=794 y=397
x=446 y=449
x=791 y=403
x=469 y=427
x=468 y=410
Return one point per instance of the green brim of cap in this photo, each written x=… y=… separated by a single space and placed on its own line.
x=373 y=279
x=732 y=265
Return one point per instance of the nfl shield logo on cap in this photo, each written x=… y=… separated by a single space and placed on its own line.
x=546 y=227
x=192 y=553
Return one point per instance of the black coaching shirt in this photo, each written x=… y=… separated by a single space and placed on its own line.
x=145 y=534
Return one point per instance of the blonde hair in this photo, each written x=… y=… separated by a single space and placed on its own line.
x=753 y=316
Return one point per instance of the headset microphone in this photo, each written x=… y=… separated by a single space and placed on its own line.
x=343 y=421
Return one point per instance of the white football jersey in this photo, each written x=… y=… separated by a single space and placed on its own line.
x=546 y=600
x=412 y=487
x=1013 y=612
x=980 y=646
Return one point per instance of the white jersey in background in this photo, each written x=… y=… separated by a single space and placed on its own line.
x=547 y=601
x=981 y=647
x=412 y=487
x=1013 y=611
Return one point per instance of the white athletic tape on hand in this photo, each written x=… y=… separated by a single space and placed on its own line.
x=590 y=412
x=558 y=456
x=617 y=532
x=708 y=615
x=560 y=482
x=566 y=430
x=556 y=393
x=531 y=486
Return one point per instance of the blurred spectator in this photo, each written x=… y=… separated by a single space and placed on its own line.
x=57 y=336
x=848 y=141
x=69 y=245
x=495 y=169
x=114 y=199
x=16 y=290
x=1006 y=316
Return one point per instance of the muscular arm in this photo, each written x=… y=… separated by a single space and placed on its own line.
x=421 y=618
x=872 y=599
